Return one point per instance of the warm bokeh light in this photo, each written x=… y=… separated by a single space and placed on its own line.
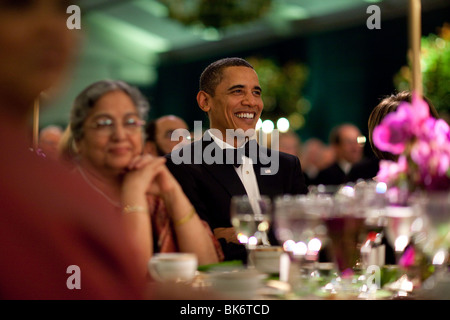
x=268 y=126
x=283 y=125
x=242 y=238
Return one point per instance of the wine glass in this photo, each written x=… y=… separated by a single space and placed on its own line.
x=251 y=219
x=345 y=230
x=371 y=198
x=402 y=221
x=434 y=208
x=298 y=225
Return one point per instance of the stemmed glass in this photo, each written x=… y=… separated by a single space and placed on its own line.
x=371 y=198
x=299 y=226
x=402 y=221
x=345 y=230
x=251 y=219
x=434 y=208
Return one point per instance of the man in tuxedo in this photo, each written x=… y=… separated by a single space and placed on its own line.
x=348 y=152
x=227 y=160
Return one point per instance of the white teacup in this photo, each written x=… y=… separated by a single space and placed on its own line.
x=236 y=285
x=176 y=266
x=267 y=259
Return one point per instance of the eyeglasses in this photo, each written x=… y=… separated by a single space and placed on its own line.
x=106 y=125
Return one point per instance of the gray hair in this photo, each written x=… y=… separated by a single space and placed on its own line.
x=87 y=99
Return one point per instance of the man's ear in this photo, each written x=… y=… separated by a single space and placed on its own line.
x=203 y=100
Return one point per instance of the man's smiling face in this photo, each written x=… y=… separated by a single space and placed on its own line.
x=236 y=103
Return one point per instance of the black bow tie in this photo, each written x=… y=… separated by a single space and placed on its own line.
x=234 y=156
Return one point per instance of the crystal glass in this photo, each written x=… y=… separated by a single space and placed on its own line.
x=344 y=232
x=402 y=222
x=434 y=241
x=346 y=228
x=251 y=219
x=435 y=209
x=371 y=198
x=299 y=226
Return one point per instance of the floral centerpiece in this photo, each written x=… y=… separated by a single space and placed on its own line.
x=422 y=144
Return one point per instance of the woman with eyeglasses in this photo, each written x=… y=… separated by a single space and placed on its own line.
x=108 y=135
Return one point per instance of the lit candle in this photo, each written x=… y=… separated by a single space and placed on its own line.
x=415 y=34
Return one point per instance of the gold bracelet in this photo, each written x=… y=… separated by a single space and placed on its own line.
x=186 y=218
x=130 y=209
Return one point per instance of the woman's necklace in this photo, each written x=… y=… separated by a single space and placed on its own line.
x=114 y=203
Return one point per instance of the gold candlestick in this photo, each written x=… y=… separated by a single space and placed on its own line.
x=36 y=124
x=415 y=34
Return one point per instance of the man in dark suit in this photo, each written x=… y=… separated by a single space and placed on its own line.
x=216 y=167
x=348 y=151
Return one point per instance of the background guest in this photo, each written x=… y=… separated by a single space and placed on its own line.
x=348 y=151
x=315 y=156
x=49 y=138
x=387 y=105
x=289 y=142
x=368 y=167
x=67 y=152
x=159 y=135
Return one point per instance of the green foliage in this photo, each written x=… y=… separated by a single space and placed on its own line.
x=216 y=14
x=435 y=64
x=282 y=89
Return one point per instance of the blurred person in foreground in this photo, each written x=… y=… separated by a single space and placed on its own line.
x=158 y=135
x=49 y=220
x=230 y=94
x=50 y=223
x=108 y=134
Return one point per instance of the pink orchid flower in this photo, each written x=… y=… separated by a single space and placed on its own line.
x=395 y=130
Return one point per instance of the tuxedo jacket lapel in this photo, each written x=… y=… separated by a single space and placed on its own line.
x=267 y=182
x=227 y=177
x=225 y=174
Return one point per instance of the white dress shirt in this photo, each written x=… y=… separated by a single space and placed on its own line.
x=247 y=175
x=244 y=171
x=345 y=166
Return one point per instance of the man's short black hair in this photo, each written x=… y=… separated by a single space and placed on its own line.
x=212 y=75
